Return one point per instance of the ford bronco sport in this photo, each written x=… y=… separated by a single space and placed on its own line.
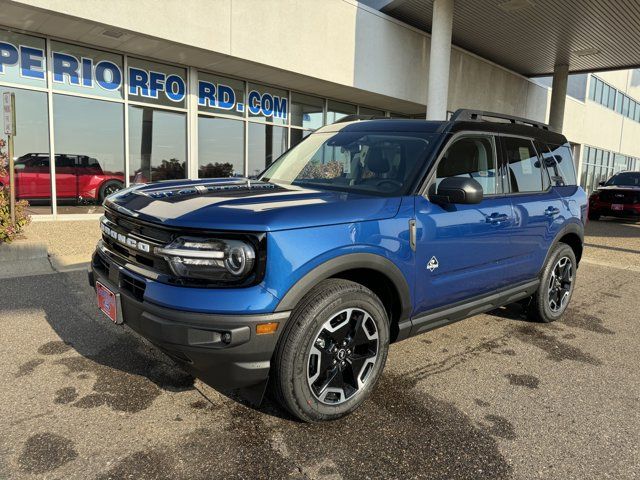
x=366 y=233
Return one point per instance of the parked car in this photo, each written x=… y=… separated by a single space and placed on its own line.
x=366 y=233
x=78 y=177
x=617 y=197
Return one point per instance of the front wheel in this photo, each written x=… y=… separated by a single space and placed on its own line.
x=333 y=351
x=109 y=187
x=556 y=285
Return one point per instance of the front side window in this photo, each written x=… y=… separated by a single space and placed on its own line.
x=472 y=157
x=523 y=165
x=364 y=162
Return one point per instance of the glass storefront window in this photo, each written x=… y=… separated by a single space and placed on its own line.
x=371 y=111
x=306 y=111
x=268 y=103
x=157 y=144
x=220 y=95
x=297 y=135
x=266 y=144
x=220 y=147
x=157 y=83
x=338 y=110
x=86 y=71
x=23 y=59
x=89 y=152
x=31 y=144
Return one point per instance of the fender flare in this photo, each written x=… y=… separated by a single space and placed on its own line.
x=569 y=228
x=344 y=263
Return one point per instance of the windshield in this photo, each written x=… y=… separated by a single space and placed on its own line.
x=626 y=178
x=371 y=163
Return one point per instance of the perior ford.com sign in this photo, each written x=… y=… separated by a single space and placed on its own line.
x=86 y=72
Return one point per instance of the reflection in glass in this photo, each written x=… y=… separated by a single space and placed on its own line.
x=297 y=135
x=220 y=147
x=306 y=111
x=89 y=143
x=371 y=111
x=266 y=144
x=268 y=103
x=220 y=95
x=157 y=144
x=33 y=177
x=338 y=110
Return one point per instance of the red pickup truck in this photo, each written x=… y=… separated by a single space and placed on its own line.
x=78 y=177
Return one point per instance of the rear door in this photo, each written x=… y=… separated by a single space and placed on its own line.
x=461 y=249
x=538 y=209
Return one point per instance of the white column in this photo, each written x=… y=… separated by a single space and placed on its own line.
x=558 y=96
x=439 y=60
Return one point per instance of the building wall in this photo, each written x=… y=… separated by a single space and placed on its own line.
x=338 y=41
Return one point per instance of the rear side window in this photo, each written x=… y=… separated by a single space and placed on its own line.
x=523 y=166
x=559 y=163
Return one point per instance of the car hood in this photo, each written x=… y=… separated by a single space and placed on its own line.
x=246 y=205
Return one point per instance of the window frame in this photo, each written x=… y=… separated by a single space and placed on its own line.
x=433 y=169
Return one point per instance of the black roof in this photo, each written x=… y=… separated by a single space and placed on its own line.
x=461 y=120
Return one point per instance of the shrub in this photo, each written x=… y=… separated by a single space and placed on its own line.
x=8 y=231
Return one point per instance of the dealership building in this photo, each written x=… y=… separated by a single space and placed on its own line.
x=127 y=91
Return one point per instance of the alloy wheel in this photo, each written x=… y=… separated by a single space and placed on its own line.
x=560 y=284
x=342 y=357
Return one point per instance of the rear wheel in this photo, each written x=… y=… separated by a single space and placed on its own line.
x=556 y=285
x=333 y=351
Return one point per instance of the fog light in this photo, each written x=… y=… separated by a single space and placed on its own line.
x=266 y=328
x=226 y=338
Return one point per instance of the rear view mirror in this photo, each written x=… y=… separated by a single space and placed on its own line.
x=457 y=190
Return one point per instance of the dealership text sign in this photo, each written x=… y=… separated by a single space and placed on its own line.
x=85 y=72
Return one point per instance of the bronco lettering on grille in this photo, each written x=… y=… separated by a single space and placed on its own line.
x=125 y=240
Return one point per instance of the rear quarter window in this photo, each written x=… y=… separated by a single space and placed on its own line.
x=559 y=163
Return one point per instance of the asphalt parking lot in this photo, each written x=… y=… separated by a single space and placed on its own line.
x=490 y=397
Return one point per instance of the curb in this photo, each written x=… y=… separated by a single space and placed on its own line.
x=22 y=250
x=23 y=259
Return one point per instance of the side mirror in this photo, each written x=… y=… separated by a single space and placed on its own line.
x=602 y=184
x=458 y=190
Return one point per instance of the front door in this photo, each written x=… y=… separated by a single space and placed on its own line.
x=461 y=250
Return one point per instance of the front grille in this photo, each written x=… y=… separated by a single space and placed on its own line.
x=123 y=231
x=101 y=265
x=613 y=196
x=133 y=286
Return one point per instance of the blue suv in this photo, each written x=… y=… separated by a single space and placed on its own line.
x=366 y=233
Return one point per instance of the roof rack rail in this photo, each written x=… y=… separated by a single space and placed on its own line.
x=356 y=118
x=464 y=114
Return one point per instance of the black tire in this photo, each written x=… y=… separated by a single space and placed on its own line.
x=556 y=287
x=109 y=187
x=293 y=362
x=594 y=216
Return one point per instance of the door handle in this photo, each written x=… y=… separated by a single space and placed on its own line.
x=552 y=211
x=497 y=218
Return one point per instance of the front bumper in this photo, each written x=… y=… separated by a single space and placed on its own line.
x=222 y=350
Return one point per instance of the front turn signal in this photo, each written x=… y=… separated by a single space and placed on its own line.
x=266 y=328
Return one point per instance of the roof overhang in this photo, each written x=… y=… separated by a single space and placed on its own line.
x=532 y=36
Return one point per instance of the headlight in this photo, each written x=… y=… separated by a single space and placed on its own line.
x=209 y=259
